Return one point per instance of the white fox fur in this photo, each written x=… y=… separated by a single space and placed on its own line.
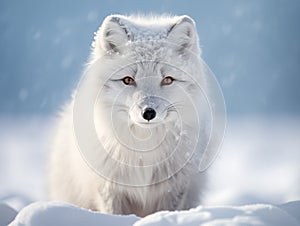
x=153 y=47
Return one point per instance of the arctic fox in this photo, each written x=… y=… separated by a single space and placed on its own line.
x=131 y=139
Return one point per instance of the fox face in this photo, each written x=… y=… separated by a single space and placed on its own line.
x=145 y=95
x=150 y=76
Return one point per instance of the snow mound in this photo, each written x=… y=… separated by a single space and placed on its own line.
x=259 y=214
x=56 y=213
x=7 y=214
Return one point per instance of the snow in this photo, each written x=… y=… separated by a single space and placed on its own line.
x=260 y=158
x=7 y=214
x=227 y=215
x=259 y=163
x=55 y=213
x=52 y=213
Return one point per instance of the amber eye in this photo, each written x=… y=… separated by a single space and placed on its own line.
x=167 y=80
x=128 y=81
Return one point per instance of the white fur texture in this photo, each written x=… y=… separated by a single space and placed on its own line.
x=153 y=47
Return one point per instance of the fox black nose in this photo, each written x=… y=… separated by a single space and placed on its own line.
x=149 y=114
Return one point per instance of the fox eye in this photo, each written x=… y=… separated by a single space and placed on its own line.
x=167 y=80
x=128 y=81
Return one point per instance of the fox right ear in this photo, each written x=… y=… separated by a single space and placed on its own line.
x=183 y=34
x=111 y=36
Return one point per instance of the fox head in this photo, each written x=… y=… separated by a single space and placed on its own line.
x=151 y=67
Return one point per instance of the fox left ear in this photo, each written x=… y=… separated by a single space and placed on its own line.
x=183 y=34
x=112 y=36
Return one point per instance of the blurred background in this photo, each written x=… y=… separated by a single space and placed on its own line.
x=253 y=47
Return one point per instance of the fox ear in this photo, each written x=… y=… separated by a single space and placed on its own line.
x=183 y=34
x=111 y=36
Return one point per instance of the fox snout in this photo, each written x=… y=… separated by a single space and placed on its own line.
x=150 y=109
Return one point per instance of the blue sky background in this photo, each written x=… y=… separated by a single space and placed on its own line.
x=253 y=47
